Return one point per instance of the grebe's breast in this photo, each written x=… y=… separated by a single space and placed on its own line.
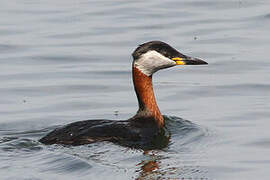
x=135 y=133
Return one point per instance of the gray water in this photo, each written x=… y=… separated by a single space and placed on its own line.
x=65 y=61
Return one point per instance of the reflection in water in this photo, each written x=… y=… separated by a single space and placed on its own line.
x=148 y=168
x=154 y=168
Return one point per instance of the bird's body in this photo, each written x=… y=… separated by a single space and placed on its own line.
x=146 y=128
x=131 y=133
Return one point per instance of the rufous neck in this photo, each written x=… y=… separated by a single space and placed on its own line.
x=146 y=98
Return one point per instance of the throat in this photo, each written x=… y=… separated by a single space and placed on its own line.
x=147 y=103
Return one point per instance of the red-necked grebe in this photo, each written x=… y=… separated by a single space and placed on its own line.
x=148 y=123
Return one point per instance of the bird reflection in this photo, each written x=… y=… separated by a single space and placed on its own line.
x=149 y=168
x=153 y=168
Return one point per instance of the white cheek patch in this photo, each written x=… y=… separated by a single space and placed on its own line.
x=153 y=61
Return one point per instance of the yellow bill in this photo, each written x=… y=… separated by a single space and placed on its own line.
x=188 y=61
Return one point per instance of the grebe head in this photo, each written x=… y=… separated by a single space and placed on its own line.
x=155 y=55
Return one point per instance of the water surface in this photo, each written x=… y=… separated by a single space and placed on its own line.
x=64 y=61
